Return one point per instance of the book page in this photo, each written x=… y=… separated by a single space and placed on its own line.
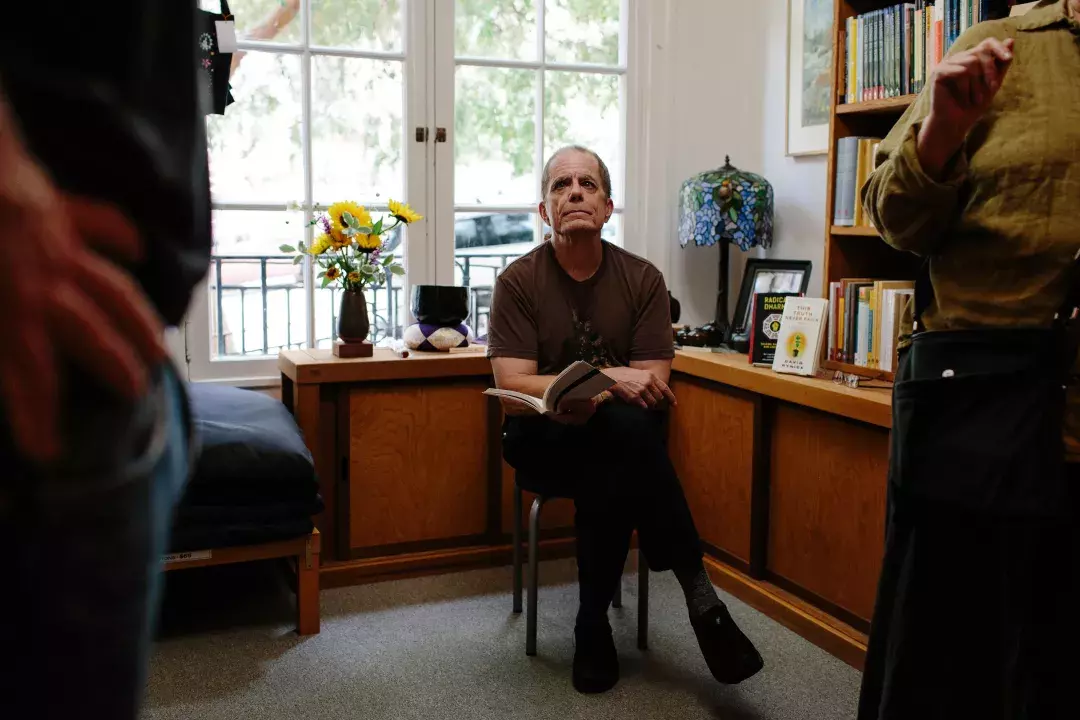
x=533 y=402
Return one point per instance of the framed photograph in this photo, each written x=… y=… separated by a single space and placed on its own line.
x=809 y=76
x=766 y=276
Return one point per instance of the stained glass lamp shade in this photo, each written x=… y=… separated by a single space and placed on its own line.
x=726 y=206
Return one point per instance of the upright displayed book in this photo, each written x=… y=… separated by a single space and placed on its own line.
x=765 y=326
x=802 y=330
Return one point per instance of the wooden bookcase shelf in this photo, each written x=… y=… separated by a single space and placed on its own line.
x=856 y=231
x=891 y=106
x=858 y=251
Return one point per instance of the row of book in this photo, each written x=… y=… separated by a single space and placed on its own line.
x=867 y=319
x=892 y=51
x=854 y=163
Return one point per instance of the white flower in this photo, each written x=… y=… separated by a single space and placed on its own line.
x=206 y=42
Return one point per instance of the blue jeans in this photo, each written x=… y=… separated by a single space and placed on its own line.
x=82 y=547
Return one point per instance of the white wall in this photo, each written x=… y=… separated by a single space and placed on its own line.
x=717 y=79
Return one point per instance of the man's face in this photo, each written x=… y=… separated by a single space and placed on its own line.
x=575 y=200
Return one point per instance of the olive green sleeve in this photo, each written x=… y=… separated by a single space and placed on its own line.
x=912 y=210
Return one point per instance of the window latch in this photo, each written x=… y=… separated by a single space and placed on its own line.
x=421 y=134
x=440 y=134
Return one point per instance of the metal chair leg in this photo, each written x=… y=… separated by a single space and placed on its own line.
x=534 y=574
x=616 y=602
x=517 y=549
x=643 y=603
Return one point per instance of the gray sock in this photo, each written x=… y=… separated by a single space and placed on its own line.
x=700 y=594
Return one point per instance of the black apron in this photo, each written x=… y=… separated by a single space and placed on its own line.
x=975 y=607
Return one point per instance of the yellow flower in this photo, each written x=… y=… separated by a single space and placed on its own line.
x=337 y=218
x=338 y=239
x=367 y=243
x=333 y=272
x=353 y=277
x=320 y=245
x=404 y=213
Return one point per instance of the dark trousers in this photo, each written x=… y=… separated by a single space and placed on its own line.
x=976 y=617
x=616 y=469
x=83 y=545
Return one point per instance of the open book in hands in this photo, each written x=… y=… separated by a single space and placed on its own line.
x=579 y=381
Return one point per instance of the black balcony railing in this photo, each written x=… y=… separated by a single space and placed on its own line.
x=236 y=280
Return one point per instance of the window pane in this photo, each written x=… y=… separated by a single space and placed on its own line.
x=255 y=148
x=357 y=131
x=583 y=109
x=249 y=275
x=484 y=244
x=495 y=28
x=494 y=136
x=274 y=20
x=357 y=24
x=386 y=309
x=582 y=32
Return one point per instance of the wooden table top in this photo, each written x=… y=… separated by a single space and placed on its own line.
x=870 y=405
x=867 y=405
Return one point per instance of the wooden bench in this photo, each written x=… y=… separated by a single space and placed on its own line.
x=302 y=553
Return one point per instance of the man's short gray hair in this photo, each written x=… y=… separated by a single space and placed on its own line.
x=605 y=174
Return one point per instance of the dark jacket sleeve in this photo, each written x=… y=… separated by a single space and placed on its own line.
x=107 y=99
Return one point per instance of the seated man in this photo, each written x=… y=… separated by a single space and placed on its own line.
x=576 y=297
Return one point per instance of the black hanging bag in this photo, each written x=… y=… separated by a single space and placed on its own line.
x=978 y=414
x=214 y=65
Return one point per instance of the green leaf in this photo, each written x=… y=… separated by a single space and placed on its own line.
x=367 y=269
x=286 y=248
x=322 y=274
x=325 y=282
x=349 y=232
x=298 y=259
x=350 y=219
x=377 y=228
x=301 y=246
x=397 y=270
x=733 y=215
x=364 y=230
x=388 y=259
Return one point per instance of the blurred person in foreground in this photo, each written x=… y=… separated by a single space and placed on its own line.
x=976 y=607
x=104 y=231
x=577 y=297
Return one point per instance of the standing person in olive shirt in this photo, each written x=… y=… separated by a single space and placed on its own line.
x=975 y=614
x=104 y=232
x=577 y=297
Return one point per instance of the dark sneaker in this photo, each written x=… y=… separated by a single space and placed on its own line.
x=730 y=655
x=596 y=664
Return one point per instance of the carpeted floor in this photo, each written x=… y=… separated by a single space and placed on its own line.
x=449 y=647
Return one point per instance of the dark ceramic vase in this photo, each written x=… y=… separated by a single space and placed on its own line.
x=441 y=305
x=353 y=323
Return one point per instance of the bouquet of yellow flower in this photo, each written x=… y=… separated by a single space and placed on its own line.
x=350 y=247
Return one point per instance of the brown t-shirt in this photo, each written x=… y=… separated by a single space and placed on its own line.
x=620 y=314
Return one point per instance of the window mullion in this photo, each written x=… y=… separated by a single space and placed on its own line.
x=306 y=90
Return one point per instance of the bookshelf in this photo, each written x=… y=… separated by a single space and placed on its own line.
x=859 y=252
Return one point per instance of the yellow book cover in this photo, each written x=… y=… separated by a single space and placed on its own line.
x=862 y=174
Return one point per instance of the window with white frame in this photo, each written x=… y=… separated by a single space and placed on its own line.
x=329 y=95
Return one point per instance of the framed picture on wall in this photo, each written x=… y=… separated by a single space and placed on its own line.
x=809 y=76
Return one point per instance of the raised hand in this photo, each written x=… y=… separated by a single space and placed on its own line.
x=962 y=90
x=66 y=301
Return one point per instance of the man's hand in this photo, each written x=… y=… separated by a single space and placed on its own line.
x=639 y=387
x=962 y=90
x=575 y=412
x=64 y=301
